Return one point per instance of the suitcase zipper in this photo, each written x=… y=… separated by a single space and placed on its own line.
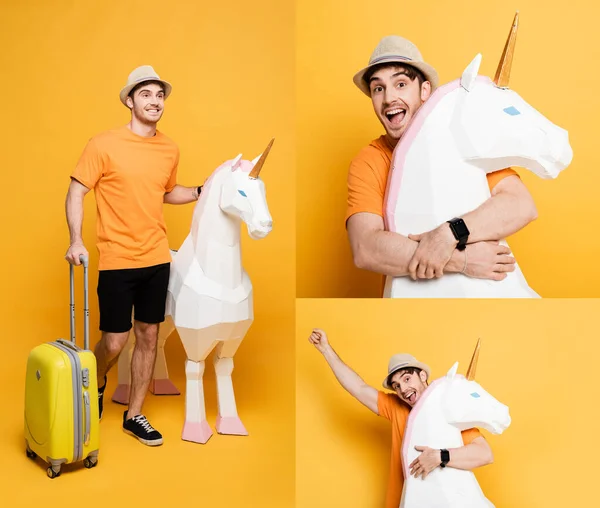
x=76 y=376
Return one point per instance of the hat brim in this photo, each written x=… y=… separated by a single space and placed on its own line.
x=403 y=366
x=127 y=89
x=428 y=71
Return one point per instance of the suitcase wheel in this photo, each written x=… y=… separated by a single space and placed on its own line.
x=90 y=463
x=52 y=473
x=30 y=454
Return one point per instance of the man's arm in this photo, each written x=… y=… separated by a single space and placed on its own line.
x=509 y=209
x=381 y=251
x=349 y=379
x=181 y=195
x=74 y=211
x=389 y=253
x=468 y=457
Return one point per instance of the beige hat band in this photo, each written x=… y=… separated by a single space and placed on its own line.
x=388 y=57
x=399 y=366
x=145 y=78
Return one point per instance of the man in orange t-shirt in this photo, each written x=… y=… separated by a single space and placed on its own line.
x=408 y=378
x=398 y=82
x=133 y=170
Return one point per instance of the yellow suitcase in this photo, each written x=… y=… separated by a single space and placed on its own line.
x=61 y=398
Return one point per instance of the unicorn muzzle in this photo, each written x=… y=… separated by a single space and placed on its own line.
x=561 y=149
x=501 y=424
x=260 y=229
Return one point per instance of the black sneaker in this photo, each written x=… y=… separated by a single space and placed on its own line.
x=139 y=427
x=101 y=399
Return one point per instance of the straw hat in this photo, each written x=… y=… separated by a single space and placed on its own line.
x=139 y=75
x=403 y=361
x=395 y=49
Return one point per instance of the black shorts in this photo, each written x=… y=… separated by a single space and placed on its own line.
x=142 y=289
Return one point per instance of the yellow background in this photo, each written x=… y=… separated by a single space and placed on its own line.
x=553 y=70
x=231 y=64
x=537 y=357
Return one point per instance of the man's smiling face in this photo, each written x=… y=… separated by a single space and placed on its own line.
x=409 y=386
x=396 y=98
x=147 y=103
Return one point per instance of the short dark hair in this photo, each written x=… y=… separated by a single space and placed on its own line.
x=407 y=370
x=144 y=83
x=411 y=72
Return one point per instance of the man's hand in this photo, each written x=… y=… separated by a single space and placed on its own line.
x=75 y=250
x=426 y=462
x=488 y=260
x=318 y=338
x=433 y=253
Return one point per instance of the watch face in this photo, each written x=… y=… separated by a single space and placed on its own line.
x=460 y=228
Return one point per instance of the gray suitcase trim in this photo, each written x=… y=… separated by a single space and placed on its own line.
x=71 y=351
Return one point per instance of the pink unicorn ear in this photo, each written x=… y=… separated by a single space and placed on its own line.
x=236 y=162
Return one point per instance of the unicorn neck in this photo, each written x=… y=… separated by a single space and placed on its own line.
x=216 y=236
x=427 y=425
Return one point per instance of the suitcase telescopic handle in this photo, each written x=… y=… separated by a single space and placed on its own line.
x=86 y=311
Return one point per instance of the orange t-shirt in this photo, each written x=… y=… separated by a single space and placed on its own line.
x=367 y=178
x=391 y=407
x=130 y=175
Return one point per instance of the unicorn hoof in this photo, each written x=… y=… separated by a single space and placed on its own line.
x=196 y=432
x=121 y=395
x=231 y=425
x=163 y=387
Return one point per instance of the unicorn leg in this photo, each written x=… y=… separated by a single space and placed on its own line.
x=161 y=384
x=228 y=421
x=121 y=395
x=196 y=428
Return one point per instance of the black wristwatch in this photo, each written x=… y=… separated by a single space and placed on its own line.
x=460 y=231
x=445 y=457
x=199 y=190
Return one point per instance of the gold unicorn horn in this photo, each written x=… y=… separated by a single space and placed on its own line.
x=503 y=71
x=473 y=365
x=257 y=167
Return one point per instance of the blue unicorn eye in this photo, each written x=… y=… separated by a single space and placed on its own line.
x=475 y=395
x=242 y=193
x=512 y=111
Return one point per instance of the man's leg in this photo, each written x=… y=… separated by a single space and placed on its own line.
x=107 y=352
x=149 y=307
x=115 y=299
x=142 y=365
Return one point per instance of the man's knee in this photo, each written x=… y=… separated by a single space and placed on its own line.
x=146 y=335
x=115 y=342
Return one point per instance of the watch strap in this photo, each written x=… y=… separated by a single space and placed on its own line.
x=445 y=456
x=460 y=231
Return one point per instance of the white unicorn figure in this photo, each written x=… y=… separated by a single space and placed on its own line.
x=466 y=129
x=448 y=406
x=209 y=300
